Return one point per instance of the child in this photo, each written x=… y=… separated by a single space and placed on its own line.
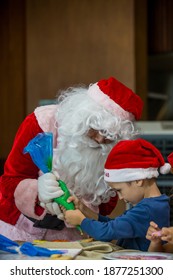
x=131 y=170
x=161 y=239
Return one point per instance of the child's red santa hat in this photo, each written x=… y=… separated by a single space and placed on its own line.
x=131 y=160
x=117 y=98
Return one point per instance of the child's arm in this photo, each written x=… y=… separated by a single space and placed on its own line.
x=153 y=234
x=83 y=208
x=167 y=234
x=168 y=248
x=75 y=217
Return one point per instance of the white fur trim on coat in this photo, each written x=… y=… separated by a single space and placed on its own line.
x=45 y=116
x=103 y=99
x=25 y=197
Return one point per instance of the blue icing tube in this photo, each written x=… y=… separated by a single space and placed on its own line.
x=40 y=149
x=29 y=249
x=8 y=245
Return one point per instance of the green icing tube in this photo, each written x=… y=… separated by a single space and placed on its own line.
x=62 y=200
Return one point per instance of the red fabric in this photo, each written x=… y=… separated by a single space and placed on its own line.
x=18 y=167
x=38 y=209
x=137 y=153
x=123 y=96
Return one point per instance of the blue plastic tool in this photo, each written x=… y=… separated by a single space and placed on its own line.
x=26 y=248
x=8 y=245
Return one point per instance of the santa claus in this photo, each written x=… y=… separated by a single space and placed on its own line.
x=86 y=123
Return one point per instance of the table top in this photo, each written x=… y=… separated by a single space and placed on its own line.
x=86 y=249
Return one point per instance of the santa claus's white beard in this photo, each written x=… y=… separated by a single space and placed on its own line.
x=80 y=164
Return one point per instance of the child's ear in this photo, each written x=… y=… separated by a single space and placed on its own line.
x=139 y=183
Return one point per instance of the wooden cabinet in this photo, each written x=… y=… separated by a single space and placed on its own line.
x=47 y=45
x=12 y=71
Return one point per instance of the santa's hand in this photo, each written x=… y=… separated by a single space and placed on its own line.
x=53 y=209
x=48 y=188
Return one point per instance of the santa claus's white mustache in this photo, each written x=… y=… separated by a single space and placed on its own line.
x=93 y=144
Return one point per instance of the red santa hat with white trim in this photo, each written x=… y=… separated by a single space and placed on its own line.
x=131 y=160
x=117 y=98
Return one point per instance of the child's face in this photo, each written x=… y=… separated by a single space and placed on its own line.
x=131 y=192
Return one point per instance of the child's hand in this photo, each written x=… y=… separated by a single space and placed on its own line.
x=167 y=234
x=75 y=200
x=78 y=204
x=74 y=217
x=154 y=233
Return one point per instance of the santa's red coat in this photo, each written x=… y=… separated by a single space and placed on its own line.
x=18 y=184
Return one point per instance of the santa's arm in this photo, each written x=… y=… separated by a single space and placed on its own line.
x=19 y=181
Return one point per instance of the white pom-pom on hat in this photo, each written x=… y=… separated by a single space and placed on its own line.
x=165 y=169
